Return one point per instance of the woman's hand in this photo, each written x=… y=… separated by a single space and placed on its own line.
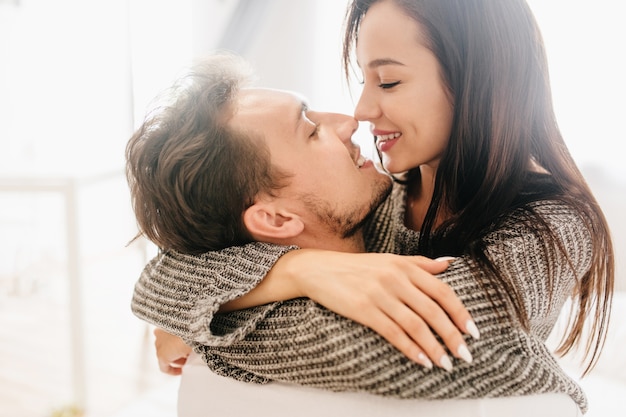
x=396 y=296
x=171 y=352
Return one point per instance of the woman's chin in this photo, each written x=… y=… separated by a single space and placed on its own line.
x=394 y=168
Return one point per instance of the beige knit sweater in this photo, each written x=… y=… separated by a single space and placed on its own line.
x=301 y=342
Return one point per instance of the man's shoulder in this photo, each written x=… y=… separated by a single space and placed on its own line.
x=381 y=229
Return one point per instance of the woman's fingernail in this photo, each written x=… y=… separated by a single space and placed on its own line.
x=446 y=363
x=465 y=354
x=471 y=328
x=423 y=359
x=445 y=258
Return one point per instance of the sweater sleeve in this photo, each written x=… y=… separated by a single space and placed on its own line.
x=545 y=274
x=182 y=293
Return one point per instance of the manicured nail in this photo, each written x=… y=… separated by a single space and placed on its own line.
x=472 y=329
x=446 y=363
x=465 y=354
x=445 y=258
x=423 y=359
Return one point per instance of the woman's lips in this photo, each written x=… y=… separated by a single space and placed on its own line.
x=385 y=139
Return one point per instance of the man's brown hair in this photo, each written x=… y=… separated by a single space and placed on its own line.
x=191 y=175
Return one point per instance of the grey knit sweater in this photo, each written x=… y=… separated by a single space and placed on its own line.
x=301 y=342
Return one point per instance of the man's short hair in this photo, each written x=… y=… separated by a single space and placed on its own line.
x=190 y=174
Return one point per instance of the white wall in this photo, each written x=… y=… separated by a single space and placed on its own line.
x=586 y=45
x=64 y=84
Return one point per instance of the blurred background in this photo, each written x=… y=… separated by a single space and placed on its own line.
x=75 y=79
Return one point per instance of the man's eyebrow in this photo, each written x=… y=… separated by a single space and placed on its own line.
x=303 y=108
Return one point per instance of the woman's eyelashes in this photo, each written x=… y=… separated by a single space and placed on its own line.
x=315 y=131
x=386 y=86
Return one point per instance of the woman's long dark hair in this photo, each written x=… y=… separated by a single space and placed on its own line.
x=493 y=61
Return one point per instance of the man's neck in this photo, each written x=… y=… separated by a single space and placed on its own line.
x=353 y=244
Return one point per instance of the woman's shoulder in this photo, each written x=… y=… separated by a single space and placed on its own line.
x=553 y=211
x=553 y=216
x=545 y=213
x=543 y=200
x=553 y=228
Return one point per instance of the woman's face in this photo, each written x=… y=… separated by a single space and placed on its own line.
x=403 y=96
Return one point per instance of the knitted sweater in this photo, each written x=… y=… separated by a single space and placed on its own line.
x=301 y=342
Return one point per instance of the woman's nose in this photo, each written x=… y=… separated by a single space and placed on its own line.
x=366 y=108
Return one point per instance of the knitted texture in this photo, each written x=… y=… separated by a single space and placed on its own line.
x=301 y=342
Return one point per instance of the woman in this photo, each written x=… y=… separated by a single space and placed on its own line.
x=493 y=147
x=458 y=96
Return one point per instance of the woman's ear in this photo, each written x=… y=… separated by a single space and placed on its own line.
x=267 y=222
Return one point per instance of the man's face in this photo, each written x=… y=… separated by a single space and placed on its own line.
x=331 y=185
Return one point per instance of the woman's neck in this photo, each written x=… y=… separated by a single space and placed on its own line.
x=418 y=197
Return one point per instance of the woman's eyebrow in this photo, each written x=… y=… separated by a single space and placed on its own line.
x=382 y=62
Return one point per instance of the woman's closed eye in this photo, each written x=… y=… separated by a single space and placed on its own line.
x=386 y=86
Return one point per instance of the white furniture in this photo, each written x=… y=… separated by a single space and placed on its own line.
x=605 y=386
x=68 y=187
x=202 y=393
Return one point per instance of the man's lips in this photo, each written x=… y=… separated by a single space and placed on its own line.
x=366 y=163
x=360 y=161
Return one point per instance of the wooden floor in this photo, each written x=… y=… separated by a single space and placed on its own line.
x=35 y=352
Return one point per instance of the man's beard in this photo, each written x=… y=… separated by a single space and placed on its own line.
x=347 y=224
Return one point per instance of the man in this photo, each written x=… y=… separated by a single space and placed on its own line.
x=222 y=166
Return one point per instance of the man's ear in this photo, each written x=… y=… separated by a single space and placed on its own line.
x=266 y=221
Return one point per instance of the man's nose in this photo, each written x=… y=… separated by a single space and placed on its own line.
x=345 y=127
